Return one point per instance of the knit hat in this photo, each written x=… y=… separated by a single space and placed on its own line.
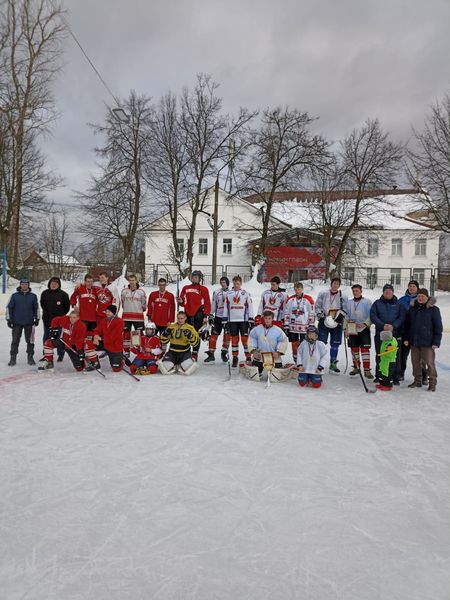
x=388 y=286
x=423 y=291
x=414 y=282
x=24 y=280
x=386 y=336
x=112 y=308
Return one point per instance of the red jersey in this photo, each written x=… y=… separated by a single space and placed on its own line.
x=194 y=297
x=105 y=298
x=111 y=331
x=87 y=302
x=161 y=308
x=73 y=335
x=149 y=348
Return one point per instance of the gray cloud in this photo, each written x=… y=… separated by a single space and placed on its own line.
x=342 y=60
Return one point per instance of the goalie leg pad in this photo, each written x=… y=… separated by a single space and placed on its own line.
x=188 y=366
x=250 y=371
x=167 y=367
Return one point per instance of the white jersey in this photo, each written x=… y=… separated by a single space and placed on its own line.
x=239 y=306
x=134 y=304
x=275 y=302
x=311 y=356
x=219 y=303
x=327 y=301
x=267 y=339
x=298 y=314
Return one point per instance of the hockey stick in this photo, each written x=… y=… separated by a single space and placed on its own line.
x=73 y=352
x=346 y=355
x=130 y=374
x=365 y=384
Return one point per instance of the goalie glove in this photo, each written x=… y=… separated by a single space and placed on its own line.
x=205 y=333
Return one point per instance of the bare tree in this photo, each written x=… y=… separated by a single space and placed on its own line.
x=429 y=163
x=369 y=162
x=167 y=168
x=281 y=153
x=30 y=39
x=208 y=134
x=116 y=206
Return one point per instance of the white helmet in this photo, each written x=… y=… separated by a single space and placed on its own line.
x=150 y=327
x=330 y=322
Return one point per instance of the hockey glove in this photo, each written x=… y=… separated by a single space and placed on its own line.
x=211 y=320
x=10 y=324
x=320 y=314
x=80 y=354
x=189 y=335
x=36 y=322
x=251 y=323
x=55 y=333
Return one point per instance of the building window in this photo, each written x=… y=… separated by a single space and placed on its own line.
x=397 y=247
x=227 y=246
x=372 y=277
x=396 y=276
x=372 y=247
x=348 y=274
x=421 y=247
x=297 y=275
x=203 y=246
x=351 y=246
x=419 y=275
x=180 y=247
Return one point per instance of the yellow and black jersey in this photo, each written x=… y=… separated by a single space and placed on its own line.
x=176 y=335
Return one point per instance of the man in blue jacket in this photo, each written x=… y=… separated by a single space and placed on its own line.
x=423 y=333
x=388 y=314
x=408 y=300
x=22 y=314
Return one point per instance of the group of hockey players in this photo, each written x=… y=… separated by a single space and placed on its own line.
x=170 y=341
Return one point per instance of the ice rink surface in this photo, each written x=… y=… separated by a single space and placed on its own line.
x=195 y=488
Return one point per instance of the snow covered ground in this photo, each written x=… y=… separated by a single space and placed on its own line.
x=196 y=488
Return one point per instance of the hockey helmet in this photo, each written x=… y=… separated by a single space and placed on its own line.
x=312 y=333
x=197 y=273
x=150 y=328
x=330 y=322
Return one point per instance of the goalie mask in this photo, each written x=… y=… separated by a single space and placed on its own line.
x=312 y=334
x=150 y=329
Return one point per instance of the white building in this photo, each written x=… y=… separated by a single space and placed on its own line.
x=394 y=247
x=241 y=223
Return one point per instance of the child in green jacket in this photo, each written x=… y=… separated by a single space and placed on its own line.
x=388 y=357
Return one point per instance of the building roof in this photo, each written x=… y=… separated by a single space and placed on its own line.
x=392 y=211
x=310 y=196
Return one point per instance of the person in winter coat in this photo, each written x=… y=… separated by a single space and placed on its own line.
x=22 y=314
x=408 y=300
x=110 y=331
x=388 y=314
x=54 y=302
x=423 y=334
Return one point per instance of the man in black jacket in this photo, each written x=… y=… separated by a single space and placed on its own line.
x=423 y=333
x=55 y=302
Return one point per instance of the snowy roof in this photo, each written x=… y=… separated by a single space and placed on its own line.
x=54 y=259
x=388 y=212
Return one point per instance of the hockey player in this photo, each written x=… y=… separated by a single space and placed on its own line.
x=68 y=332
x=357 y=331
x=331 y=307
x=267 y=337
x=147 y=353
x=85 y=297
x=387 y=367
x=161 y=306
x=238 y=319
x=134 y=303
x=298 y=315
x=311 y=356
x=194 y=299
x=110 y=332
x=181 y=337
x=106 y=295
x=274 y=300
x=216 y=319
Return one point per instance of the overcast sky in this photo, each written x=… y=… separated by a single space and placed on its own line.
x=341 y=60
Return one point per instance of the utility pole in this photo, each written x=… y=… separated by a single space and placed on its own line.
x=215 y=230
